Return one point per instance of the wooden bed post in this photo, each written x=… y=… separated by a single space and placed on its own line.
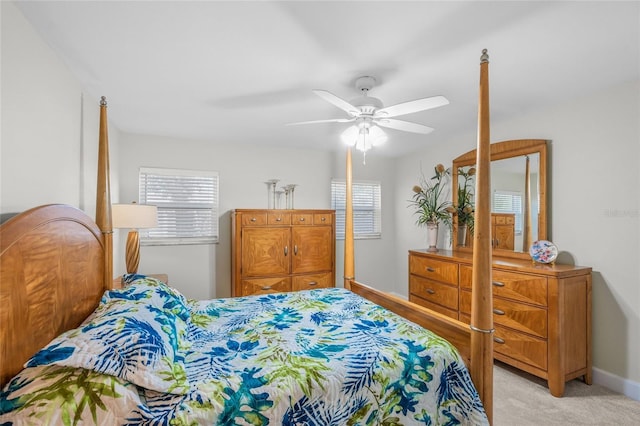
x=527 y=207
x=481 y=303
x=349 y=268
x=103 y=196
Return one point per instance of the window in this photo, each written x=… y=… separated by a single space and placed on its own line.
x=187 y=202
x=509 y=202
x=366 y=208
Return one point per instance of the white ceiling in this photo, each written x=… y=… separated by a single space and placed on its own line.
x=238 y=72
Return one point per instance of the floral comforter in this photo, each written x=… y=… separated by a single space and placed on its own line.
x=147 y=355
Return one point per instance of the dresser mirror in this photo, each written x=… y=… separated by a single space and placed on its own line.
x=518 y=197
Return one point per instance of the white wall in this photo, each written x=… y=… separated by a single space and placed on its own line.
x=49 y=128
x=594 y=211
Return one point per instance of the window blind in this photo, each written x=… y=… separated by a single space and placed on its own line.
x=187 y=202
x=509 y=202
x=367 y=210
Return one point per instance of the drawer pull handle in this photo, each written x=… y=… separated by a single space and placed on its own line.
x=323 y=219
x=295 y=250
x=286 y=250
x=430 y=291
x=279 y=219
x=302 y=219
x=430 y=269
x=253 y=219
x=498 y=340
x=498 y=284
x=498 y=312
x=312 y=283
x=268 y=287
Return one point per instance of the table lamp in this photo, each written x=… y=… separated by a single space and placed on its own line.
x=134 y=216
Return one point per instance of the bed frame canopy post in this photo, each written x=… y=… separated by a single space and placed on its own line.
x=481 y=303
x=103 y=196
x=349 y=267
x=527 y=206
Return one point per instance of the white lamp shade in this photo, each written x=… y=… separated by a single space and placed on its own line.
x=134 y=216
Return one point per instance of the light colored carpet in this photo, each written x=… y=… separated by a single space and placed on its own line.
x=521 y=399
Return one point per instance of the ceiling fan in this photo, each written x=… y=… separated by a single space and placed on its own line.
x=367 y=113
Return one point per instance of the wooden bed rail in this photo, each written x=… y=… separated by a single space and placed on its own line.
x=456 y=332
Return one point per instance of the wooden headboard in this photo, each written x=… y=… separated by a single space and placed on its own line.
x=51 y=270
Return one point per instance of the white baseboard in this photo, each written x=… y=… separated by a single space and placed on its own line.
x=618 y=384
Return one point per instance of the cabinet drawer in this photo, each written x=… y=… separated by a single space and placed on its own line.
x=511 y=285
x=254 y=219
x=277 y=218
x=265 y=285
x=518 y=346
x=521 y=317
x=322 y=219
x=309 y=282
x=434 y=292
x=302 y=219
x=445 y=272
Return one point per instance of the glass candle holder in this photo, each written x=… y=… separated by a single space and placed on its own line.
x=271 y=193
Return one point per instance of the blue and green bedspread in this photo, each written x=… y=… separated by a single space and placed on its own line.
x=148 y=355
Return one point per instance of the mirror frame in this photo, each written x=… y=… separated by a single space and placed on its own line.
x=501 y=151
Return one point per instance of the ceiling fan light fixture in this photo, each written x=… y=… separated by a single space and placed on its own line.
x=364 y=136
x=377 y=136
x=350 y=135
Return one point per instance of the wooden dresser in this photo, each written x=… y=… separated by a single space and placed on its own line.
x=281 y=250
x=542 y=313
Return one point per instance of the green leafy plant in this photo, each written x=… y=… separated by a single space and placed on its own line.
x=464 y=207
x=430 y=198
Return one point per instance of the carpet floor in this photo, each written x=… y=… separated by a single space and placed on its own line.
x=521 y=399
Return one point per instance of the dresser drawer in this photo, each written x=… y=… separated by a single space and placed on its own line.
x=434 y=292
x=309 y=282
x=322 y=219
x=254 y=219
x=511 y=285
x=302 y=219
x=518 y=316
x=277 y=218
x=517 y=346
x=265 y=285
x=445 y=272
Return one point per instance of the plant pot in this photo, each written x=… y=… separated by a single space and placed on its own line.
x=432 y=236
x=462 y=235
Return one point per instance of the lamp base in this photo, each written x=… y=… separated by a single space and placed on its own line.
x=133 y=252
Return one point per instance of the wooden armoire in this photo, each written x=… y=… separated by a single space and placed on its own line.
x=281 y=250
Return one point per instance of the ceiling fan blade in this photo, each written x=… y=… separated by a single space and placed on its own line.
x=331 y=120
x=339 y=102
x=412 y=106
x=405 y=126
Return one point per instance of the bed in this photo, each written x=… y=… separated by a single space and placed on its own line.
x=76 y=350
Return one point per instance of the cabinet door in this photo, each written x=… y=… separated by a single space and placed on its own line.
x=312 y=249
x=504 y=237
x=265 y=251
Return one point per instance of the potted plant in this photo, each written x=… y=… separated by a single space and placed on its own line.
x=431 y=203
x=464 y=208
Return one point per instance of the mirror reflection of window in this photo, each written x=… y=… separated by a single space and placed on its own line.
x=509 y=202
